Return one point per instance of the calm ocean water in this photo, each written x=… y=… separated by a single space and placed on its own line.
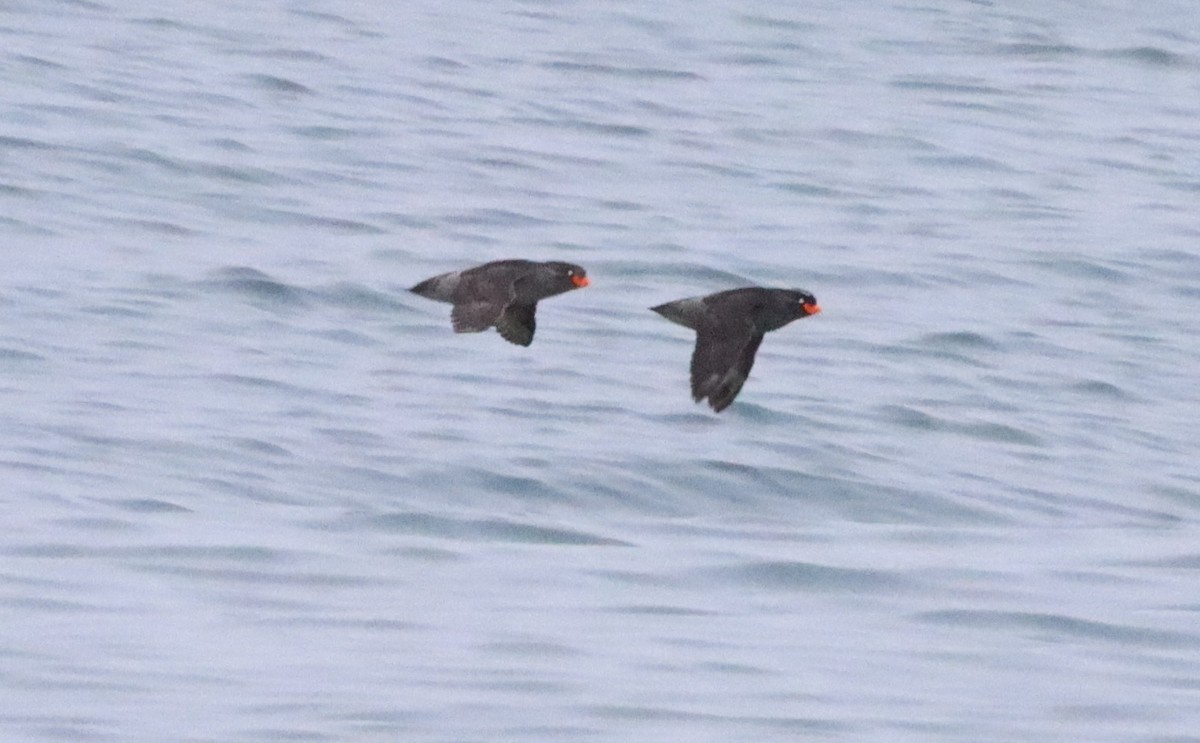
x=254 y=490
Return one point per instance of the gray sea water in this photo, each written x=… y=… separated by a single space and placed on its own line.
x=254 y=490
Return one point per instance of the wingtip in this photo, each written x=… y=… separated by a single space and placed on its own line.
x=716 y=403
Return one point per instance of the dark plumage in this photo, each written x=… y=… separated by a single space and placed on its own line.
x=729 y=327
x=501 y=294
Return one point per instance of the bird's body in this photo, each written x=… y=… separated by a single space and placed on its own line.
x=729 y=328
x=501 y=294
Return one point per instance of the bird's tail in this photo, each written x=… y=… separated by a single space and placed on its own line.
x=686 y=312
x=439 y=287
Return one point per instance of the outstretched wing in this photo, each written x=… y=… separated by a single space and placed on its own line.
x=472 y=317
x=516 y=323
x=721 y=362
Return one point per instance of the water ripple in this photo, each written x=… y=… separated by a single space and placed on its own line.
x=1059 y=627
x=809 y=577
x=491 y=530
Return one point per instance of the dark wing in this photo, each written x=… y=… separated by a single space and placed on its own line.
x=481 y=293
x=516 y=323
x=721 y=362
x=472 y=317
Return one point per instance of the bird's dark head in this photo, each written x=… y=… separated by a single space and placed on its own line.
x=778 y=307
x=807 y=302
x=794 y=304
x=569 y=273
x=548 y=279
